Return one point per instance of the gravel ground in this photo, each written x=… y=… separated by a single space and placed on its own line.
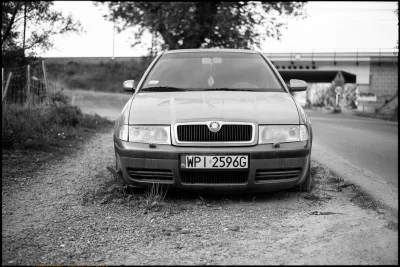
x=51 y=220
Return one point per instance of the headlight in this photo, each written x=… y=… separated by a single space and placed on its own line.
x=123 y=133
x=282 y=133
x=145 y=134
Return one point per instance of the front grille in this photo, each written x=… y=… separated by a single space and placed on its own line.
x=277 y=174
x=214 y=177
x=151 y=175
x=227 y=133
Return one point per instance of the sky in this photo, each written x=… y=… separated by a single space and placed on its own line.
x=329 y=26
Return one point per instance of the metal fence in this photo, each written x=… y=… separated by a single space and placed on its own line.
x=27 y=85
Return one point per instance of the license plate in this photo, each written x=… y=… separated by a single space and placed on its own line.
x=214 y=162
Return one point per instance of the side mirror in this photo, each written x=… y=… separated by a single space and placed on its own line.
x=297 y=85
x=129 y=86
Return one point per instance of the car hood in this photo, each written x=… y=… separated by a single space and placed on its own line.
x=170 y=107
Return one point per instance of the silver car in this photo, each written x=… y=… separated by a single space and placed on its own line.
x=215 y=120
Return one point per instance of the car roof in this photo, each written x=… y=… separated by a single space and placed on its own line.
x=210 y=50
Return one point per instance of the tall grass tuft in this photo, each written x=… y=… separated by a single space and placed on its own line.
x=155 y=196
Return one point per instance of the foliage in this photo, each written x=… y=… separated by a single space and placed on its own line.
x=320 y=97
x=42 y=22
x=59 y=98
x=349 y=96
x=43 y=126
x=100 y=76
x=153 y=199
x=179 y=25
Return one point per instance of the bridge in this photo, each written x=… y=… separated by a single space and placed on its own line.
x=375 y=73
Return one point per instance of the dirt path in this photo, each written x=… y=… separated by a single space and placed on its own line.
x=47 y=222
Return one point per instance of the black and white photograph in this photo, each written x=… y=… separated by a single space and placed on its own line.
x=199 y=133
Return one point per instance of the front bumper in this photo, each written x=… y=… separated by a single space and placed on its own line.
x=289 y=156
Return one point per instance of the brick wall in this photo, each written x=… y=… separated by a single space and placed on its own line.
x=384 y=81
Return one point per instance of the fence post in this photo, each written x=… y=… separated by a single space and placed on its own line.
x=28 y=84
x=45 y=81
x=6 y=89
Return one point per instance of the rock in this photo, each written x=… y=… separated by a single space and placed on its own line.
x=167 y=233
x=101 y=258
x=62 y=245
x=234 y=228
x=185 y=231
x=176 y=229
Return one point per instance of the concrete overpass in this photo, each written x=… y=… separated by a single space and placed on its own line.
x=375 y=73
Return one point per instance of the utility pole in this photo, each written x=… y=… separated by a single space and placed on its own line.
x=113 y=40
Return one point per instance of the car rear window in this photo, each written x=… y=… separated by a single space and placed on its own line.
x=213 y=70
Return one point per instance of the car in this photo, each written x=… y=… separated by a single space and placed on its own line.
x=213 y=120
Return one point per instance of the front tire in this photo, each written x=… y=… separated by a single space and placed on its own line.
x=305 y=186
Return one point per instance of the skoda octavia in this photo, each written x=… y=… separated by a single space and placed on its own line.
x=213 y=120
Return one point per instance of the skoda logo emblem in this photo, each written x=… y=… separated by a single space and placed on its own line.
x=214 y=126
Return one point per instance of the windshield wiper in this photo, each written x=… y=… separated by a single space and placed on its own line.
x=162 y=89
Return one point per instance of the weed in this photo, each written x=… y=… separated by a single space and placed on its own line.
x=154 y=197
x=334 y=178
x=392 y=225
x=363 y=200
x=203 y=201
x=316 y=170
x=59 y=98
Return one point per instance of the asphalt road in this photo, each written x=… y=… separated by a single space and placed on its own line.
x=369 y=144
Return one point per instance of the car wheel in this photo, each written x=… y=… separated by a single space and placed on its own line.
x=305 y=186
x=128 y=189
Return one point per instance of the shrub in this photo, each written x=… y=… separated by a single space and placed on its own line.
x=59 y=98
x=27 y=126
x=320 y=98
x=65 y=115
x=20 y=124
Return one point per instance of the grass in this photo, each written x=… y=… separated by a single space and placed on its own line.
x=42 y=127
x=33 y=136
x=105 y=75
x=328 y=180
x=153 y=198
x=386 y=117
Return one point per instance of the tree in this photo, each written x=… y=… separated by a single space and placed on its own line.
x=397 y=13
x=204 y=24
x=42 y=22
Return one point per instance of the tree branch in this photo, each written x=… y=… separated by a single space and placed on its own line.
x=9 y=27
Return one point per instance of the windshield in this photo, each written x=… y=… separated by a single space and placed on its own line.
x=200 y=71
